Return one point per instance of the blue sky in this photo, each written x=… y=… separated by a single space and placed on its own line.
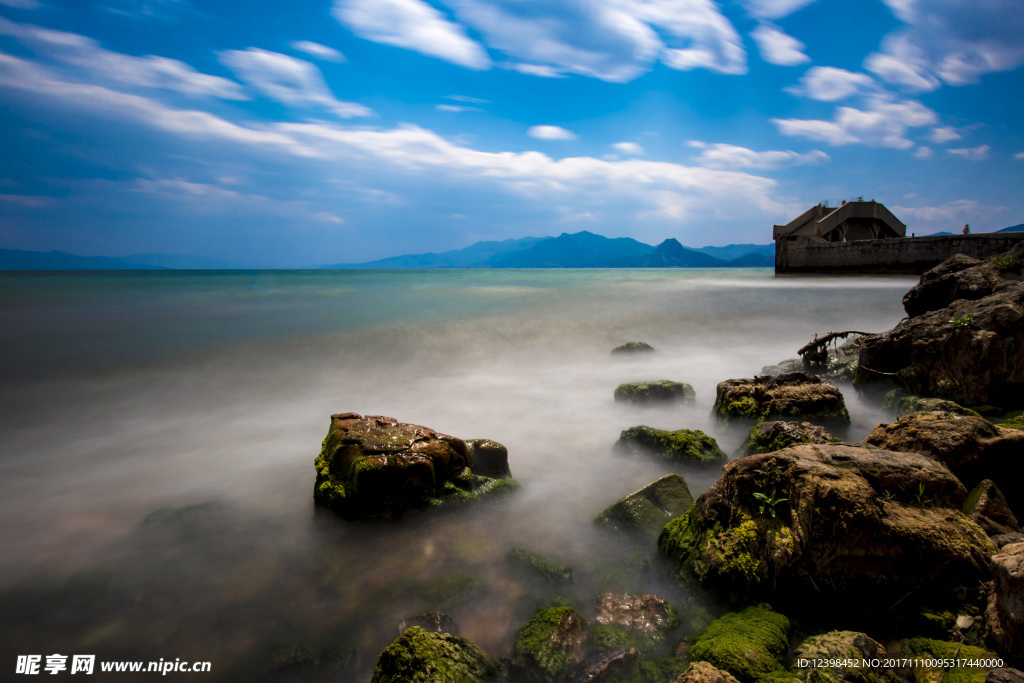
x=294 y=134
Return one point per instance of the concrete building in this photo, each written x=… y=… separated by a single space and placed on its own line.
x=865 y=237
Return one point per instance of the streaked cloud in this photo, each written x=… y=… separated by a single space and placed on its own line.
x=943 y=134
x=773 y=9
x=328 y=54
x=777 y=47
x=971 y=153
x=290 y=81
x=829 y=84
x=720 y=155
x=883 y=123
x=550 y=133
x=953 y=215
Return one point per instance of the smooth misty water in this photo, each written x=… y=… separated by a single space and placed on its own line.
x=129 y=393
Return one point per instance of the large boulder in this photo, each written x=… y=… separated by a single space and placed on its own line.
x=418 y=656
x=551 y=643
x=1005 y=614
x=376 y=466
x=647 y=510
x=832 y=521
x=958 y=277
x=749 y=644
x=705 y=672
x=971 y=351
x=632 y=347
x=778 y=434
x=683 y=446
x=660 y=391
x=972 y=447
x=792 y=395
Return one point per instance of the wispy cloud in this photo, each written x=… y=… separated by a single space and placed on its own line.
x=328 y=54
x=953 y=215
x=777 y=47
x=551 y=133
x=414 y=25
x=630 y=148
x=924 y=152
x=883 y=123
x=21 y=4
x=292 y=82
x=456 y=108
x=467 y=99
x=971 y=153
x=943 y=134
x=773 y=9
x=730 y=156
x=830 y=84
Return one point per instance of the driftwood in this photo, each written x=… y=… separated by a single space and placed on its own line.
x=817 y=350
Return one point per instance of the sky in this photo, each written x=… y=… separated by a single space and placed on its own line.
x=324 y=131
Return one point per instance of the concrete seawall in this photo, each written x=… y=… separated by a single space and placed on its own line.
x=897 y=255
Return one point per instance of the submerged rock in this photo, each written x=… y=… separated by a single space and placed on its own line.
x=633 y=347
x=551 y=643
x=376 y=466
x=683 y=446
x=487 y=458
x=748 y=644
x=833 y=521
x=958 y=277
x=776 y=435
x=648 y=509
x=972 y=447
x=792 y=395
x=645 y=620
x=987 y=508
x=605 y=667
x=646 y=393
x=538 y=567
x=421 y=657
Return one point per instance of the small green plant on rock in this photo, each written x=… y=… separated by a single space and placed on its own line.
x=918 y=497
x=768 y=502
x=962 y=322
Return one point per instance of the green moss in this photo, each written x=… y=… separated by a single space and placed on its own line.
x=651 y=392
x=840 y=645
x=658 y=670
x=748 y=644
x=418 y=656
x=535 y=647
x=737 y=547
x=745 y=407
x=1014 y=420
x=538 y=567
x=780 y=677
x=680 y=538
x=680 y=446
x=1006 y=263
x=925 y=648
x=609 y=637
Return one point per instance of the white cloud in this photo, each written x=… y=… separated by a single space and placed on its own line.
x=328 y=54
x=550 y=133
x=952 y=216
x=943 y=134
x=1019 y=156
x=829 y=84
x=90 y=61
x=950 y=41
x=613 y=40
x=773 y=9
x=327 y=217
x=883 y=124
x=467 y=99
x=730 y=156
x=923 y=153
x=414 y=25
x=777 y=47
x=287 y=80
x=455 y=108
x=629 y=148
x=21 y=4
x=972 y=153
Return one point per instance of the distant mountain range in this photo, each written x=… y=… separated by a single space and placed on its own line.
x=1013 y=228
x=17 y=259
x=581 y=250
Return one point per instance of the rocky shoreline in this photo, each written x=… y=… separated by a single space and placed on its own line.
x=899 y=558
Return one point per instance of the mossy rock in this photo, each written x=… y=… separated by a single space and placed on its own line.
x=926 y=648
x=646 y=511
x=633 y=347
x=900 y=402
x=551 y=643
x=768 y=437
x=1014 y=420
x=658 y=670
x=789 y=396
x=418 y=656
x=537 y=567
x=841 y=645
x=605 y=637
x=661 y=391
x=683 y=446
x=748 y=644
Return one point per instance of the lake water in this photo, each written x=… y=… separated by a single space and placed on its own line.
x=158 y=431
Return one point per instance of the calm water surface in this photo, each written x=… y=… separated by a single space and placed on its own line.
x=158 y=431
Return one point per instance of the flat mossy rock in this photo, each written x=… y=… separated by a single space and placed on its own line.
x=538 y=567
x=748 y=644
x=683 y=446
x=705 y=672
x=987 y=507
x=972 y=447
x=900 y=402
x=831 y=521
x=923 y=649
x=647 y=510
x=778 y=434
x=841 y=645
x=551 y=643
x=660 y=391
x=792 y=395
x=418 y=656
x=633 y=347
x=375 y=466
